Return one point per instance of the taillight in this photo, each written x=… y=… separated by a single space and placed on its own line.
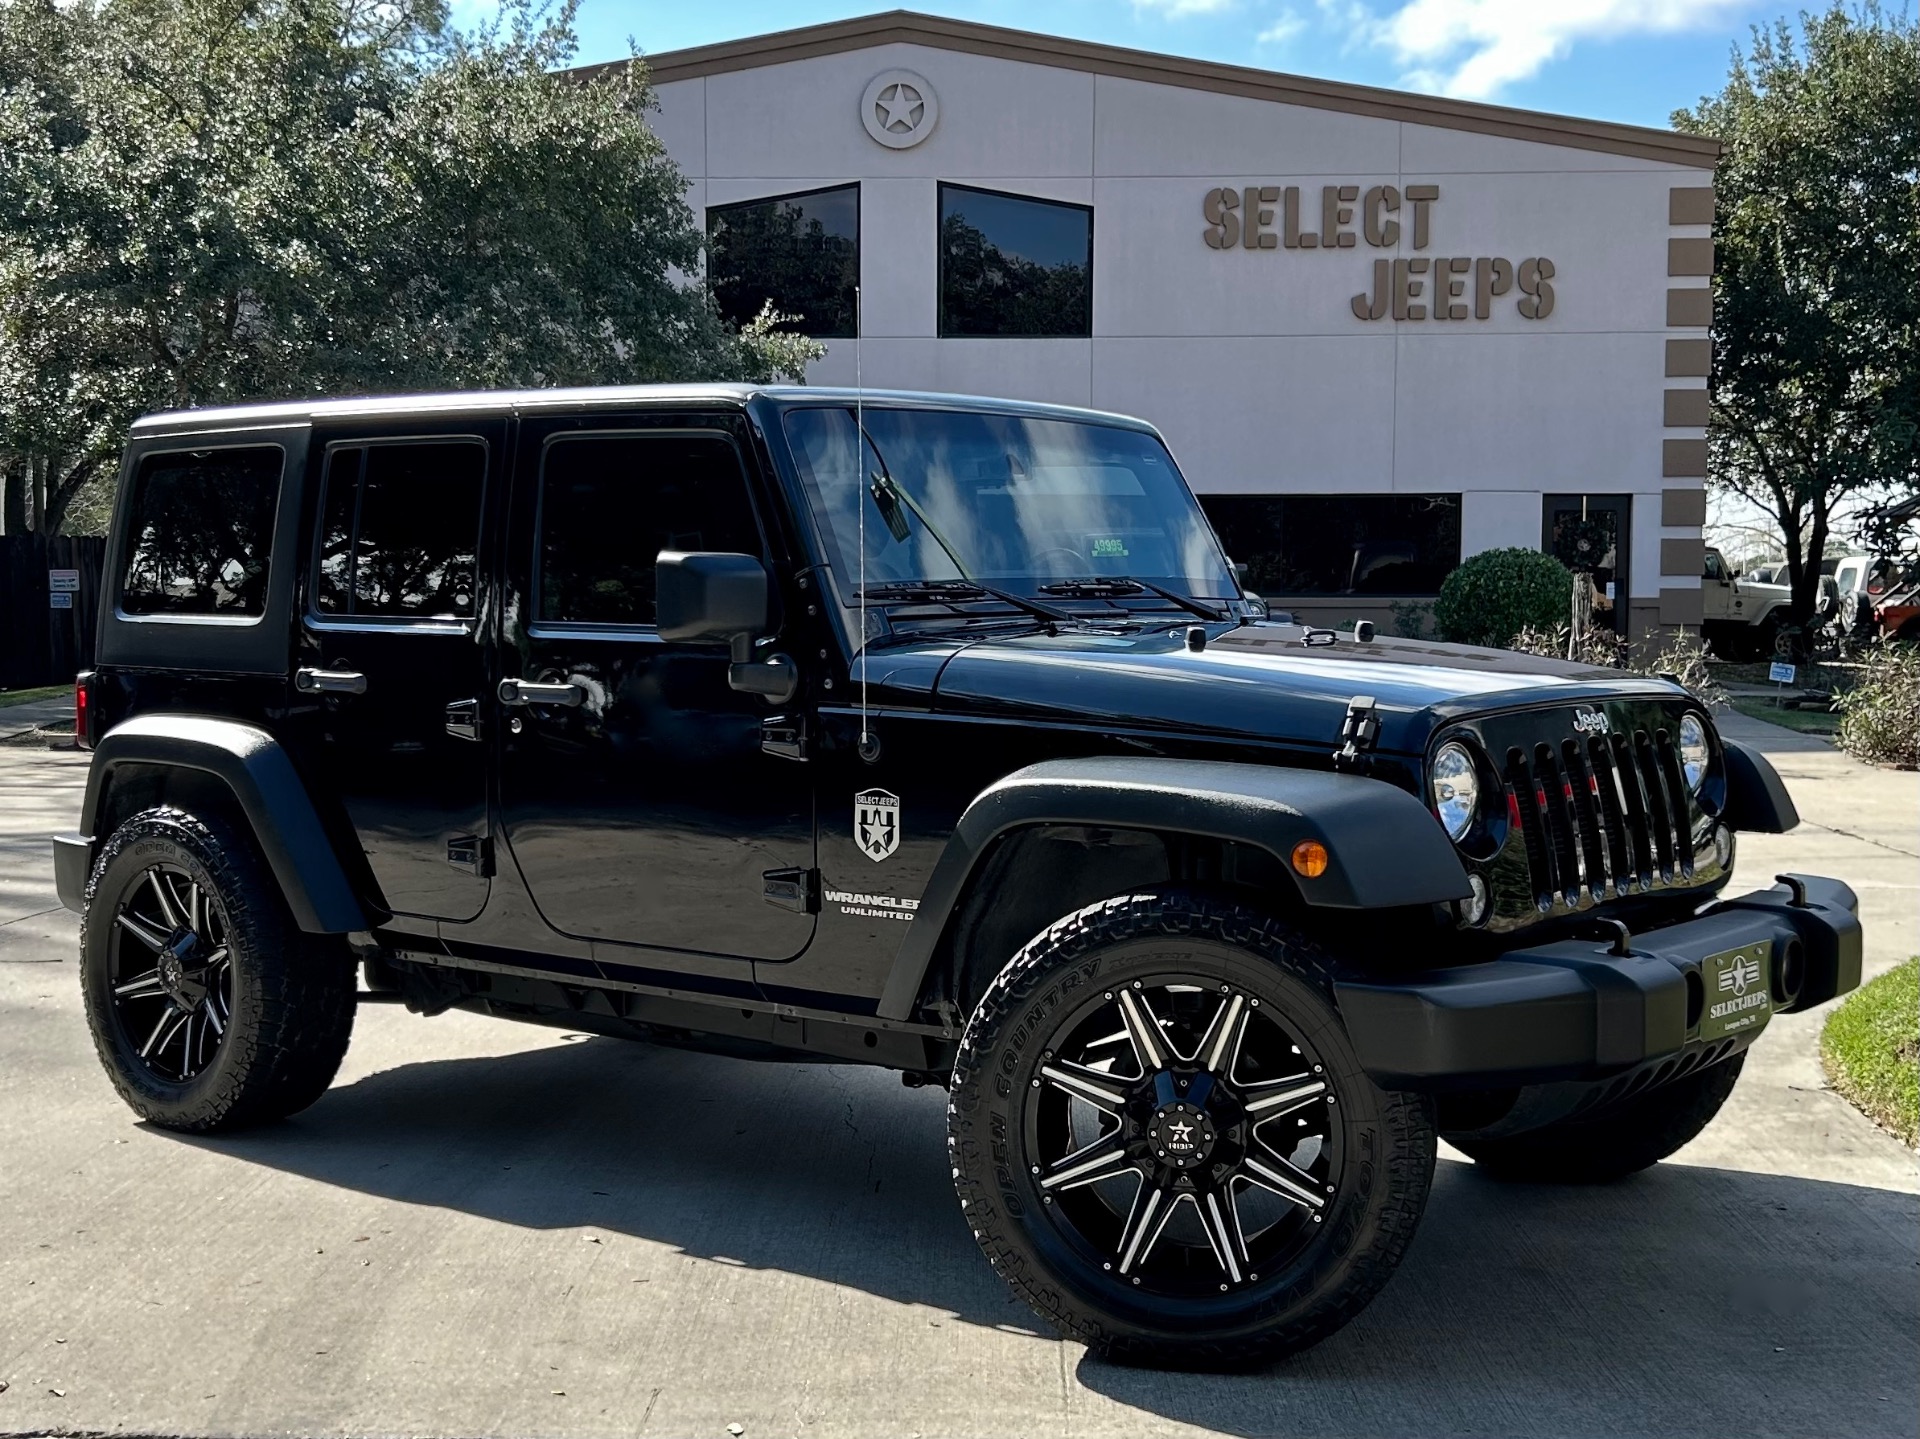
x=83 y=709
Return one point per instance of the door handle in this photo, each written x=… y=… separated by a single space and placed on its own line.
x=329 y=682
x=528 y=692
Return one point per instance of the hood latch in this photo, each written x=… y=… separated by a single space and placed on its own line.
x=1359 y=732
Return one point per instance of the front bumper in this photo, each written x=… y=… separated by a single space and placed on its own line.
x=1572 y=1010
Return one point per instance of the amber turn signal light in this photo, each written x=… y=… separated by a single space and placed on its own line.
x=1310 y=858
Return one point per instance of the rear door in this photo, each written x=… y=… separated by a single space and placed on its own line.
x=641 y=807
x=390 y=682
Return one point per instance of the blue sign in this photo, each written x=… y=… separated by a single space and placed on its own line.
x=1781 y=673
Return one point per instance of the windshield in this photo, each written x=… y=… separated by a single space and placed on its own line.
x=1008 y=501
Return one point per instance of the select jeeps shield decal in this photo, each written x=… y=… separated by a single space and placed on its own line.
x=876 y=823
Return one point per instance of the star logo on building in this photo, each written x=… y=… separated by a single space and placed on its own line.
x=899 y=109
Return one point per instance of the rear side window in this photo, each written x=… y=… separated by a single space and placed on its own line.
x=399 y=530
x=610 y=503
x=200 y=532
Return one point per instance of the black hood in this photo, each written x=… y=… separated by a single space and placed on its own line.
x=1258 y=681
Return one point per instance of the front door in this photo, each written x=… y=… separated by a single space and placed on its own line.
x=1592 y=535
x=635 y=795
x=391 y=680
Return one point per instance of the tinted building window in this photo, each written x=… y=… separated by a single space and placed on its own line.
x=610 y=504
x=1011 y=265
x=1340 y=544
x=399 y=528
x=201 y=532
x=801 y=253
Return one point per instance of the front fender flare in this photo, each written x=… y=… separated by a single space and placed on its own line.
x=1385 y=850
x=252 y=764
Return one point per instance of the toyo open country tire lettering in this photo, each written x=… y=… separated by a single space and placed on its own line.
x=1165 y=1144
x=210 y=1009
x=1620 y=1140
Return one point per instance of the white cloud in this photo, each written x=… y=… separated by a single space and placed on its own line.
x=1181 y=9
x=1475 y=48
x=1285 y=27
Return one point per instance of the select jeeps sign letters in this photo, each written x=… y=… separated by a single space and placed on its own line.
x=1415 y=287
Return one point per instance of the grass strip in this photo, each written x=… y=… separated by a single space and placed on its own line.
x=1871 y=1050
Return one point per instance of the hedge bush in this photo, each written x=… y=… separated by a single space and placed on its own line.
x=1498 y=593
x=1880 y=713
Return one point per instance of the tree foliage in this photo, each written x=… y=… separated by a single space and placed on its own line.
x=1816 y=371
x=1496 y=594
x=210 y=201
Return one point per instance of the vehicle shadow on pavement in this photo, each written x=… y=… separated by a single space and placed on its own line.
x=838 y=1173
x=1682 y=1300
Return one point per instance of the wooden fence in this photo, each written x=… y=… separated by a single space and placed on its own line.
x=39 y=644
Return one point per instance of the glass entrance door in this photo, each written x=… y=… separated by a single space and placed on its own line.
x=1592 y=535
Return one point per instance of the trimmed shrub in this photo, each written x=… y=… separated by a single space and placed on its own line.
x=1880 y=713
x=1498 y=593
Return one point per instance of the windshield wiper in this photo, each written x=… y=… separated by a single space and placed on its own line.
x=1098 y=587
x=961 y=591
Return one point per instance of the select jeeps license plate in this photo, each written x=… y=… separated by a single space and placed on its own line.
x=1739 y=991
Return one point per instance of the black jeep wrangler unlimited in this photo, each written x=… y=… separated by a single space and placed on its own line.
x=924 y=732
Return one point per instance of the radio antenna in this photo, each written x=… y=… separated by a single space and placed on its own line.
x=868 y=747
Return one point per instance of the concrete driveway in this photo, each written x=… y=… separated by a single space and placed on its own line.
x=488 y=1229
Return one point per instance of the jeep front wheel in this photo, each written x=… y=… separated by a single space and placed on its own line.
x=1164 y=1142
x=209 y=1007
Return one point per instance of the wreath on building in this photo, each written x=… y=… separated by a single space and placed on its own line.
x=1582 y=544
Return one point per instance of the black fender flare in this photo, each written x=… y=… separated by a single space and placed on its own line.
x=1757 y=798
x=254 y=766
x=1385 y=849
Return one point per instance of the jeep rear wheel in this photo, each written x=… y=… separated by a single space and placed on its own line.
x=1165 y=1143
x=209 y=1008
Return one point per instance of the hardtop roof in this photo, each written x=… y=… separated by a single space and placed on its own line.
x=281 y=414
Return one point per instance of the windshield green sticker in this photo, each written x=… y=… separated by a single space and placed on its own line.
x=1109 y=548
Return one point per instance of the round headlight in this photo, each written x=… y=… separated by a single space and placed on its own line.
x=1693 y=750
x=1456 y=789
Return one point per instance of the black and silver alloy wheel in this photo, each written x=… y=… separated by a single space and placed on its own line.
x=1183 y=1135
x=172 y=973
x=210 y=1008
x=1164 y=1142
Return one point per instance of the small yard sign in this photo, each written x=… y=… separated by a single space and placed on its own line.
x=63 y=582
x=60 y=600
x=1781 y=673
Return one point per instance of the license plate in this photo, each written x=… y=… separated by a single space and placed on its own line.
x=1739 y=991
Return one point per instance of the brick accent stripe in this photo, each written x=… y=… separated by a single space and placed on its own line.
x=1683 y=459
x=1689 y=357
x=1690 y=205
x=1686 y=409
x=1690 y=308
x=1682 y=607
x=1689 y=257
x=1682 y=508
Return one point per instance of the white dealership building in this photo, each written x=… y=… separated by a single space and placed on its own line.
x=1380 y=331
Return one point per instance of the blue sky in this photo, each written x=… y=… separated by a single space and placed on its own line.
x=1627 y=60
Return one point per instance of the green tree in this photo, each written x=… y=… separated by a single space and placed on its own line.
x=1816 y=370
x=210 y=201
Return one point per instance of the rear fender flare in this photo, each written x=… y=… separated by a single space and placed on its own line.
x=1385 y=849
x=268 y=790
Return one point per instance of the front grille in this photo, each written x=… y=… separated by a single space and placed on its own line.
x=1601 y=816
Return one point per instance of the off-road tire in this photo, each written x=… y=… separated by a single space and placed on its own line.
x=1620 y=1140
x=292 y=992
x=1388 y=1136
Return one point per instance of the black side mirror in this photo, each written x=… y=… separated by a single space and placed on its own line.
x=702 y=595
x=705 y=595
